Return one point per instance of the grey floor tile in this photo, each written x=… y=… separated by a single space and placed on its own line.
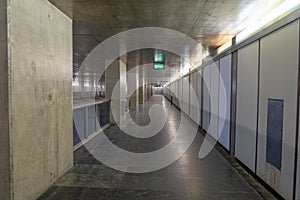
x=149 y=195
x=189 y=178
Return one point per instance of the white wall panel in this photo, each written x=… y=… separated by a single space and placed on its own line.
x=225 y=98
x=298 y=167
x=278 y=80
x=199 y=93
x=206 y=97
x=298 y=171
x=180 y=94
x=186 y=94
x=194 y=106
x=214 y=99
x=246 y=108
x=176 y=93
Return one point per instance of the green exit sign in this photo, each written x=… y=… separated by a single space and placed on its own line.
x=158 y=66
x=159 y=57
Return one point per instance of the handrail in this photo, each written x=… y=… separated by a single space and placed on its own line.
x=87 y=104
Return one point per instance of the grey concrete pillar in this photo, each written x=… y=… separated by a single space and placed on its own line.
x=142 y=88
x=133 y=83
x=36 y=140
x=115 y=78
x=5 y=189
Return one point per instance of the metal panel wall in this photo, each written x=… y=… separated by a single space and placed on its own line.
x=176 y=93
x=194 y=107
x=91 y=120
x=186 y=94
x=297 y=184
x=214 y=99
x=180 y=93
x=278 y=80
x=224 y=120
x=274 y=132
x=298 y=169
x=79 y=124
x=246 y=106
x=206 y=97
x=199 y=94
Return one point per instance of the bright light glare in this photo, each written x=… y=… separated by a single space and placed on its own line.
x=224 y=47
x=279 y=12
x=75 y=82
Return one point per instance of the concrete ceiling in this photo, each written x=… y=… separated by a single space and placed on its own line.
x=210 y=22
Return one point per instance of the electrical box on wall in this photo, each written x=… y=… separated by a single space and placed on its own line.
x=274 y=132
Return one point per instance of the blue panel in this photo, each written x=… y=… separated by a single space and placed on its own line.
x=206 y=108
x=274 y=132
x=91 y=120
x=104 y=111
x=78 y=125
x=225 y=73
x=76 y=138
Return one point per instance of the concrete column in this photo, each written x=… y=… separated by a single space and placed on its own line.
x=142 y=88
x=133 y=82
x=123 y=89
x=81 y=85
x=137 y=92
x=36 y=98
x=5 y=188
x=116 y=74
x=145 y=89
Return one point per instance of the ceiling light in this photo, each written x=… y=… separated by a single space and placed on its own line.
x=276 y=14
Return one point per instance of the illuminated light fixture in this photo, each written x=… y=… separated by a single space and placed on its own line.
x=167 y=84
x=75 y=82
x=224 y=47
x=158 y=66
x=276 y=14
x=185 y=70
x=204 y=55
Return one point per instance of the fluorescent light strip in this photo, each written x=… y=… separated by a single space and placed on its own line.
x=224 y=47
x=276 y=14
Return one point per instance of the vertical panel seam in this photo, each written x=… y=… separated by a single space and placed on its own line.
x=233 y=102
x=258 y=104
x=297 y=122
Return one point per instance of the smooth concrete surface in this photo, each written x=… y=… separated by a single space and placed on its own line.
x=189 y=178
x=133 y=79
x=211 y=23
x=4 y=116
x=115 y=78
x=40 y=96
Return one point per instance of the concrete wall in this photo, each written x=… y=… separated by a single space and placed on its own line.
x=116 y=74
x=4 y=119
x=41 y=96
x=112 y=76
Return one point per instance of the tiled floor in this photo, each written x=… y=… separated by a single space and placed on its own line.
x=189 y=178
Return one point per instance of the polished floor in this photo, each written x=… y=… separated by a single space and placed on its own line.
x=189 y=178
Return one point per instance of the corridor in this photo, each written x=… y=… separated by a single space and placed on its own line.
x=189 y=178
x=138 y=99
